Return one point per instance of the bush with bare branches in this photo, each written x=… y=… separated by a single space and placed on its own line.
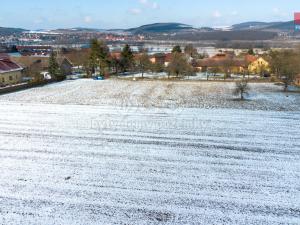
x=241 y=88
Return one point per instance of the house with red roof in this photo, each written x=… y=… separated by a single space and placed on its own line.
x=222 y=62
x=236 y=64
x=10 y=72
x=161 y=58
x=168 y=59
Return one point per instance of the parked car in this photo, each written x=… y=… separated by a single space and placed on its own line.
x=98 y=78
x=46 y=75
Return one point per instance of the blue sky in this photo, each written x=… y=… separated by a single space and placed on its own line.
x=37 y=14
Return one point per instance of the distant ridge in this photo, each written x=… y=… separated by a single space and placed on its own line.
x=283 y=26
x=78 y=29
x=261 y=30
x=179 y=27
x=267 y=26
x=11 y=31
x=161 y=28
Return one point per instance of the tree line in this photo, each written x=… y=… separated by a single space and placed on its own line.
x=102 y=62
x=284 y=64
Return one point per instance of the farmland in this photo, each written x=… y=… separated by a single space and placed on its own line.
x=124 y=152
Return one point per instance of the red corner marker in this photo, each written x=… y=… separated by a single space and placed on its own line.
x=297 y=18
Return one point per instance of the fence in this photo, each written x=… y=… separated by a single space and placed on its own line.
x=20 y=87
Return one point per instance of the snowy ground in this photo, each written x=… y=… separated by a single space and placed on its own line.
x=158 y=94
x=86 y=161
x=198 y=76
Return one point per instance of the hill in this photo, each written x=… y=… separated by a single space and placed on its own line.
x=283 y=26
x=161 y=28
x=266 y=26
x=252 y=25
x=10 y=31
x=238 y=35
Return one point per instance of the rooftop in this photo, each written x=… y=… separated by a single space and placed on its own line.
x=7 y=65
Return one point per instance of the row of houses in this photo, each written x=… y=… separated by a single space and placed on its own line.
x=31 y=50
x=221 y=61
x=15 y=70
x=235 y=64
x=38 y=64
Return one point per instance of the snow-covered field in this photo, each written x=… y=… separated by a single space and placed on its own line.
x=200 y=76
x=72 y=154
x=158 y=94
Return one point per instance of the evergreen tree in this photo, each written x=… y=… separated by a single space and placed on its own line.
x=53 y=66
x=177 y=49
x=94 y=56
x=251 y=51
x=104 y=61
x=127 y=58
x=99 y=56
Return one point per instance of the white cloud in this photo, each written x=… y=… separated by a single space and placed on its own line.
x=135 y=11
x=155 y=5
x=234 y=13
x=88 y=19
x=38 y=21
x=277 y=12
x=144 y=2
x=216 y=14
x=149 y=4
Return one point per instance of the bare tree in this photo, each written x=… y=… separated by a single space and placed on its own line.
x=191 y=51
x=143 y=63
x=115 y=64
x=34 y=71
x=157 y=67
x=213 y=71
x=241 y=88
x=179 y=65
x=226 y=65
x=285 y=64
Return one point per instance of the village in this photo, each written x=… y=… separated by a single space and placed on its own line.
x=32 y=65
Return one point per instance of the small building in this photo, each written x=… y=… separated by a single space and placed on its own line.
x=37 y=50
x=159 y=58
x=77 y=56
x=66 y=66
x=168 y=59
x=222 y=62
x=116 y=55
x=10 y=72
x=236 y=64
x=34 y=65
x=259 y=66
